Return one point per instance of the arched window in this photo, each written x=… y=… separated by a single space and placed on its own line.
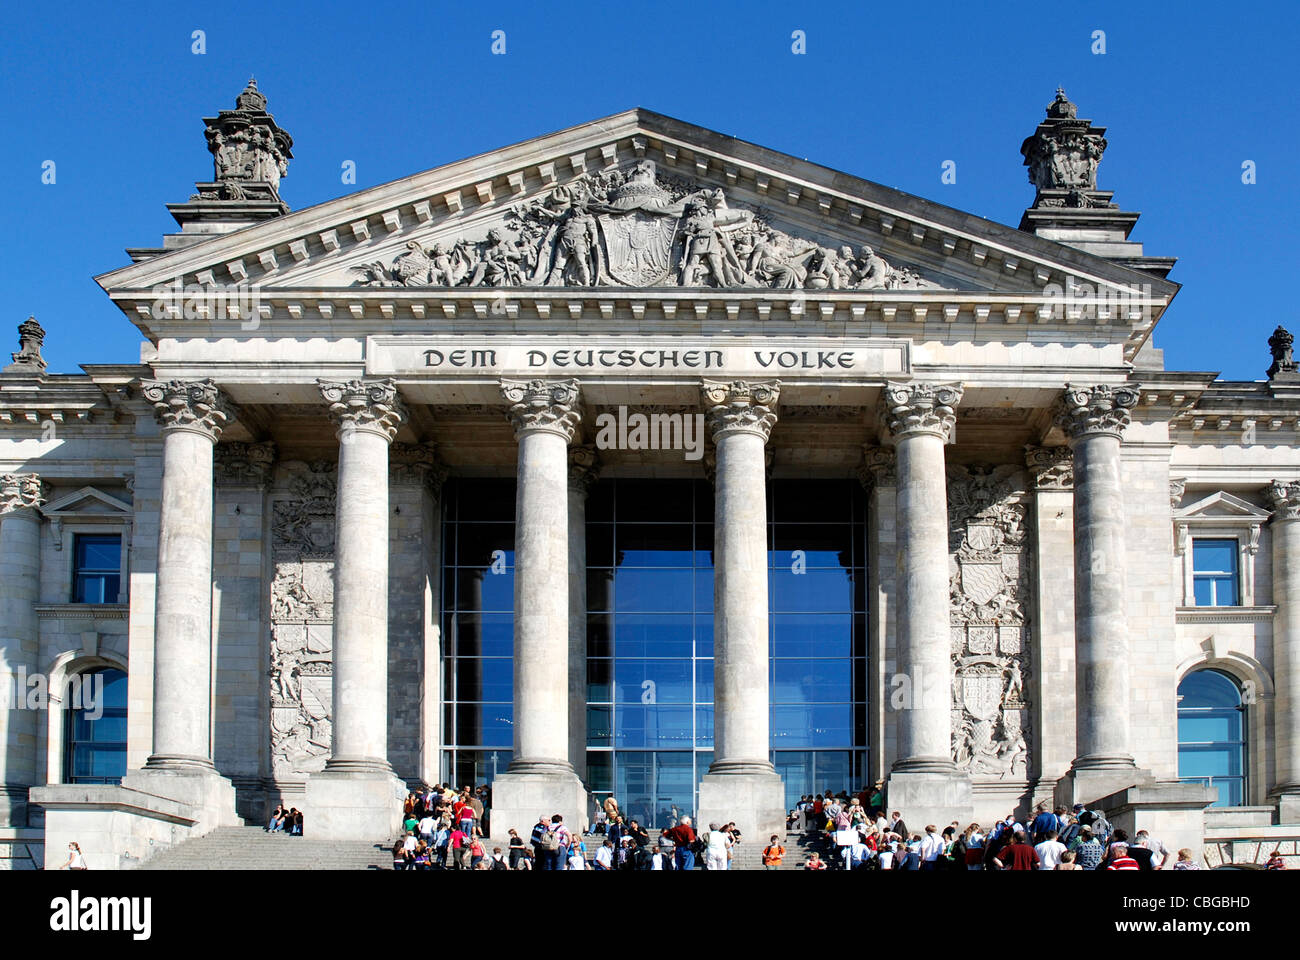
x=1212 y=734
x=95 y=727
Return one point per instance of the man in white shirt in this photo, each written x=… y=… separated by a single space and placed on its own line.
x=931 y=847
x=1049 y=851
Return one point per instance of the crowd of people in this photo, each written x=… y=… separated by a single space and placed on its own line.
x=448 y=829
x=853 y=835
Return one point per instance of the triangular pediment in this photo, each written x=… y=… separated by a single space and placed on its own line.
x=636 y=204
x=88 y=501
x=1222 y=506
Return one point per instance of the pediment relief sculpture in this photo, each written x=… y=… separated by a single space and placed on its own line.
x=637 y=228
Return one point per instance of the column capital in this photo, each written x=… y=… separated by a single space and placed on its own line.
x=194 y=406
x=545 y=406
x=740 y=406
x=1051 y=467
x=584 y=467
x=1095 y=411
x=879 y=467
x=238 y=464
x=416 y=464
x=1285 y=498
x=19 y=490
x=364 y=406
x=919 y=409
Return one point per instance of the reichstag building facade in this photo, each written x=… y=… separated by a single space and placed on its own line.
x=640 y=460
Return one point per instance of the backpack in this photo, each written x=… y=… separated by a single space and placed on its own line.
x=551 y=841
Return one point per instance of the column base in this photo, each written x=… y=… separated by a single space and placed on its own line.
x=754 y=800
x=529 y=789
x=354 y=802
x=929 y=795
x=208 y=796
x=1090 y=779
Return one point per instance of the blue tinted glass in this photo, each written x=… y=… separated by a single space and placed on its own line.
x=813 y=590
x=808 y=635
x=1214 y=556
x=652 y=635
x=652 y=681
x=808 y=681
x=1208 y=688
x=640 y=589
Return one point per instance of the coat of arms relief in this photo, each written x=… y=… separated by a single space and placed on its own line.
x=989 y=586
x=637 y=228
x=302 y=613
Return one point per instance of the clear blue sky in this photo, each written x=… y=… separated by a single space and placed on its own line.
x=113 y=94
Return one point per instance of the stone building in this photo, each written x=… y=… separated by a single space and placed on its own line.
x=638 y=459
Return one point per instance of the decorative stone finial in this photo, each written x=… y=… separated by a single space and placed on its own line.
x=198 y=406
x=550 y=406
x=28 y=359
x=250 y=153
x=1063 y=155
x=1279 y=345
x=740 y=406
x=19 y=490
x=1089 y=411
x=364 y=406
x=920 y=408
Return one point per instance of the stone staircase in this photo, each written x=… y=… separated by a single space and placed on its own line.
x=251 y=848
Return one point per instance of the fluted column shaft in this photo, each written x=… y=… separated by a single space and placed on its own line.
x=920 y=417
x=368 y=414
x=1286 y=634
x=1094 y=419
x=545 y=415
x=740 y=417
x=193 y=415
x=20 y=568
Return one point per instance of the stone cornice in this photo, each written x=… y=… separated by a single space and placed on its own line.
x=20 y=490
x=364 y=406
x=918 y=408
x=740 y=406
x=196 y=406
x=548 y=406
x=1095 y=411
x=1285 y=498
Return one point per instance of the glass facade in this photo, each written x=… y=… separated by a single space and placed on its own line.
x=1212 y=735
x=650 y=637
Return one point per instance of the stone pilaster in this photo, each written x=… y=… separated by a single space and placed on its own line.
x=584 y=468
x=545 y=414
x=1285 y=499
x=192 y=415
x=741 y=784
x=1094 y=419
x=1052 y=470
x=924 y=782
x=357 y=795
x=20 y=566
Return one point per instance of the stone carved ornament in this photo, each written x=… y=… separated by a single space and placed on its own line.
x=988 y=584
x=635 y=228
x=302 y=612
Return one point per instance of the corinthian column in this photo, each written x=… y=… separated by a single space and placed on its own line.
x=1094 y=419
x=357 y=796
x=923 y=783
x=20 y=568
x=1285 y=498
x=545 y=415
x=192 y=415
x=741 y=784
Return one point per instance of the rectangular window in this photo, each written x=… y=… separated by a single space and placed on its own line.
x=1214 y=573
x=97 y=570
